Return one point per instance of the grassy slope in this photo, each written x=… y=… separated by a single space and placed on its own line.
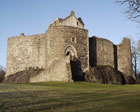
x=69 y=97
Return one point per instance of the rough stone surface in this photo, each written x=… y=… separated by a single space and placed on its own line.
x=60 y=38
x=101 y=52
x=64 y=53
x=104 y=52
x=104 y=74
x=128 y=79
x=25 y=53
x=54 y=73
x=107 y=75
x=60 y=71
x=124 y=57
x=22 y=76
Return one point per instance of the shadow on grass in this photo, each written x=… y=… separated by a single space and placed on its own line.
x=52 y=101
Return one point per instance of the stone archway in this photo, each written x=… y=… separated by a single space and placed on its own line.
x=75 y=63
x=71 y=52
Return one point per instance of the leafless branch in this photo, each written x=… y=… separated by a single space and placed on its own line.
x=133 y=9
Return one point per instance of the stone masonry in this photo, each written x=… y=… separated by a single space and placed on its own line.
x=104 y=52
x=65 y=52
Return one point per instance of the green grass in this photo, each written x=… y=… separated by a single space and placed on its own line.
x=69 y=97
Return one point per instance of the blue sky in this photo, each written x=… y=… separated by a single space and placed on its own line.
x=103 y=18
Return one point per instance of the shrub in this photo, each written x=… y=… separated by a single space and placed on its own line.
x=2 y=73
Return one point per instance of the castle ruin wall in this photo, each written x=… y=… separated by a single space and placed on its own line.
x=125 y=57
x=101 y=52
x=104 y=52
x=25 y=52
x=60 y=71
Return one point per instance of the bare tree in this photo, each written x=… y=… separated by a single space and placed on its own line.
x=2 y=73
x=135 y=48
x=133 y=9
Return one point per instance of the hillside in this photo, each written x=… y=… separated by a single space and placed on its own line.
x=69 y=97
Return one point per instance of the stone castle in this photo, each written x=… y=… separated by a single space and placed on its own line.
x=64 y=52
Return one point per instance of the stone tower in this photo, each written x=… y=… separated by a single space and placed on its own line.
x=62 y=52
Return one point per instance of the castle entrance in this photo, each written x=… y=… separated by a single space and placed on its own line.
x=75 y=63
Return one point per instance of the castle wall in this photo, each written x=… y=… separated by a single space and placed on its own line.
x=60 y=71
x=45 y=50
x=124 y=57
x=101 y=52
x=25 y=52
x=104 y=52
x=54 y=46
x=60 y=37
x=80 y=43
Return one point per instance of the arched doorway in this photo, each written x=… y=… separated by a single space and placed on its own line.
x=71 y=52
x=75 y=63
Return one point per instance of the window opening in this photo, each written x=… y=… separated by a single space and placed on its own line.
x=73 y=39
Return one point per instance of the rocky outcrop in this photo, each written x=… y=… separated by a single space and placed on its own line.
x=22 y=76
x=107 y=75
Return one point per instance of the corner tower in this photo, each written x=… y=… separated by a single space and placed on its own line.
x=74 y=43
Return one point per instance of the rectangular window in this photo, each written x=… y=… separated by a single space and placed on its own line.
x=73 y=39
